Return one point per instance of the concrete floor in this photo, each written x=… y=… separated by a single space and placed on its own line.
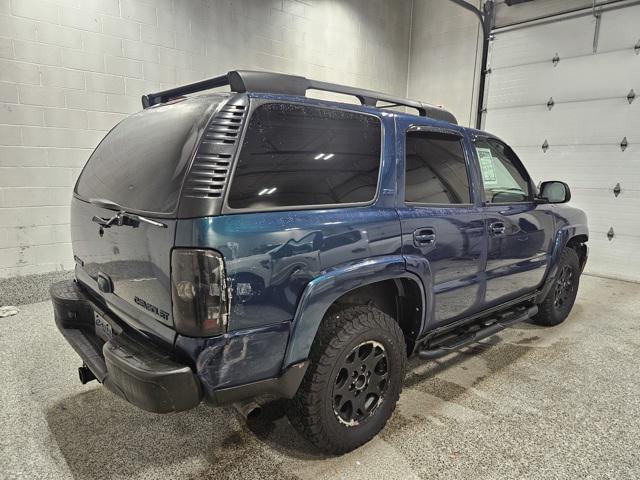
x=531 y=402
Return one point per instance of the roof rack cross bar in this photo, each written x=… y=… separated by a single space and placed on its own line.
x=242 y=81
x=152 y=99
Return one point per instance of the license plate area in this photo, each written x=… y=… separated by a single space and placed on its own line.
x=102 y=327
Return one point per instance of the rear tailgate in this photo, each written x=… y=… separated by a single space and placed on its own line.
x=135 y=261
x=140 y=165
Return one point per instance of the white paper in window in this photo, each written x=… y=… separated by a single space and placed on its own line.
x=486 y=166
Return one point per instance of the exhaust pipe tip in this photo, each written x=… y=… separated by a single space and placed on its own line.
x=85 y=374
x=249 y=410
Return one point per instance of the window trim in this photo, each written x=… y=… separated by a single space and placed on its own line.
x=447 y=131
x=257 y=103
x=532 y=189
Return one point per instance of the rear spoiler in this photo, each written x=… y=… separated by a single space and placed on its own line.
x=241 y=81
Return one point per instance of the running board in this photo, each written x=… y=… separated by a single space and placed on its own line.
x=488 y=327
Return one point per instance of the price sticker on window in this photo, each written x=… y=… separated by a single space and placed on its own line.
x=486 y=166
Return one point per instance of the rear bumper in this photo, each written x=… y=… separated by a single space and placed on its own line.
x=228 y=368
x=127 y=364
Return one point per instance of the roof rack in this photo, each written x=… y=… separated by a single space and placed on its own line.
x=267 y=82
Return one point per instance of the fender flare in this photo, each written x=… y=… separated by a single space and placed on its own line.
x=322 y=291
x=563 y=236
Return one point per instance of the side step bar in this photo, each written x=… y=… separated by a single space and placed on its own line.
x=439 y=347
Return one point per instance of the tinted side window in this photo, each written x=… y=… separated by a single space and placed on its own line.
x=297 y=155
x=504 y=179
x=436 y=171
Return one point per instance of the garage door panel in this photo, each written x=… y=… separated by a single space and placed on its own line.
x=569 y=38
x=589 y=77
x=508 y=15
x=518 y=126
x=585 y=166
x=619 y=29
x=591 y=122
x=612 y=258
x=585 y=126
x=604 y=210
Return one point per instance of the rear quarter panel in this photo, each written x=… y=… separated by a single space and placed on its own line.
x=270 y=257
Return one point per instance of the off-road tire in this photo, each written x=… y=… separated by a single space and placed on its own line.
x=344 y=329
x=551 y=313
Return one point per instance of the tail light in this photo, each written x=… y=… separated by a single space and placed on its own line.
x=199 y=292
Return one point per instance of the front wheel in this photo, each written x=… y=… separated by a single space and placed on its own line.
x=354 y=379
x=556 y=306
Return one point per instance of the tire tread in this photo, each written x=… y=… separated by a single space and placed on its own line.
x=547 y=315
x=340 y=325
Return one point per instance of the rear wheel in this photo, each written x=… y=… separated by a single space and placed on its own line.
x=353 y=381
x=557 y=305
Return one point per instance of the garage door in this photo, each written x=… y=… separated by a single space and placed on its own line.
x=571 y=115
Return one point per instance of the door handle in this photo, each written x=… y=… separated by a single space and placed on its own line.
x=497 y=228
x=424 y=236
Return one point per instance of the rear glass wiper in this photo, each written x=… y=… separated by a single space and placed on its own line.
x=122 y=217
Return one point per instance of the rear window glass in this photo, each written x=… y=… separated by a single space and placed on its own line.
x=141 y=163
x=296 y=155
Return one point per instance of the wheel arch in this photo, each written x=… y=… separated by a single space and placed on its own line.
x=578 y=243
x=572 y=236
x=401 y=298
x=377 y=280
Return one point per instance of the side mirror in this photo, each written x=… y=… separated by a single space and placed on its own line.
x=555 y=192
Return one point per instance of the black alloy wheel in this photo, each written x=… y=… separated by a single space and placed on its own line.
x=564 y=287
x=350 y=389
x=557 y=304
x=361 y=383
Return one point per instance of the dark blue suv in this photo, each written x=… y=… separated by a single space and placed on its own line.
x=258 y=243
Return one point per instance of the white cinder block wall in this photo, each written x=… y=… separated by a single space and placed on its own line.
x=71 y=69
x=446 y=48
